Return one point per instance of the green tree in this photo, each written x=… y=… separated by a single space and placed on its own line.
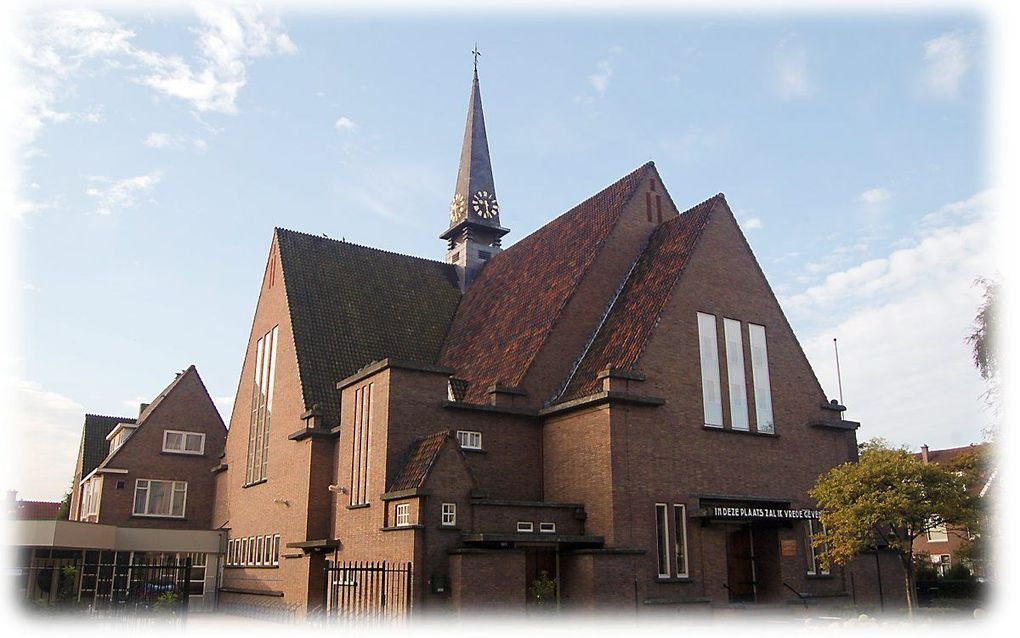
x=64 y=511
x=983 y=339
x=975 y=467
x=889 y=497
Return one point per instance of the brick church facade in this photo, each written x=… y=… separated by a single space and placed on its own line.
x=615 y=403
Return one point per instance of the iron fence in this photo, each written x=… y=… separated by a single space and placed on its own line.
x=366 y=592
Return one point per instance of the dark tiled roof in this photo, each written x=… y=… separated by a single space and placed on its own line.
x=419 y=460
x=351 y=305
x=510 y=309
x=633 y=316
x=95 y=447
x=36 y=510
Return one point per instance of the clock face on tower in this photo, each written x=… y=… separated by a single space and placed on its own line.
x=457 y=208
x=484 y=204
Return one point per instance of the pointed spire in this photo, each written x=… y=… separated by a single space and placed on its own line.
x=475 y=189
x=473 y=236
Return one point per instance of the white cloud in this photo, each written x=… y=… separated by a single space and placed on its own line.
x=875 y=196
x=116 y=194
x=225 y=405
x=174 y=141
x=947 y=60
x=57 y=47
x=791 y=80
x=54 y=422
x=752 y=223
x=901 y=321
x=606 y=68
x=229 y=38
x=345 y=124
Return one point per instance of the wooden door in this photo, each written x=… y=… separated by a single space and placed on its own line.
x=740 y=565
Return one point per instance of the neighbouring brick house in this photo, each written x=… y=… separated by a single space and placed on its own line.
x=153 y=471
x=143 y=494
x=942 y=544
x=616 y=400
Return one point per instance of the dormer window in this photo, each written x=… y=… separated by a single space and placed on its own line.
x=119 y=435
x=178 y=442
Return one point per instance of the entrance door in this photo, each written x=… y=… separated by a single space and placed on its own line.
x=740 y=570
x=541 y=577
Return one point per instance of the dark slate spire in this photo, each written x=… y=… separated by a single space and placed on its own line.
x=474 y=232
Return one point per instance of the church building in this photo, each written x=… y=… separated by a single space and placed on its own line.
x=612 y=412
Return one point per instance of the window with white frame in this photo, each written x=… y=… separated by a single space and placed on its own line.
x=119 y=436
x=709 y=349
x=760 y=379
x=449 y=517
x=525 y=526
x=260 y=544
x=403 y=515
x=735 y=375
x=938 y=534
x=547 y=528
x=662 y=538
x=680 y=540
x=244 y=552
x=469 y=440
x=942 y=563
x=180 y=442
x=160 y=498
x=815 y=554
x=276 y=549
x=91 y=494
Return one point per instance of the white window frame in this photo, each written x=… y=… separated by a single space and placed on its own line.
x=760 y=381
x=938 y=534
x=449 y=515
x=402 y=515
x=148 y=492
x=260 y=544
x=680 y=540
x=184 y=442
x=708 y=347
x=662 y=543
x=91 y=496
x=469 y=439
x=243 y=560
x=276 y=550
x=739 y=419
x=525 y=527
x=547 y=528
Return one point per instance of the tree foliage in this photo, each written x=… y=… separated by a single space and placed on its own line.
x=983 y=339
x=887 y=499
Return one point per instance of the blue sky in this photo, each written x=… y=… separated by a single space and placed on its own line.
x=156 y=151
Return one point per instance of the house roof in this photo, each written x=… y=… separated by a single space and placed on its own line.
x=351 y=305
x=514 y=303
x=36 y=510
x=94 y=445
x=419 y=459
x=633 y=315
x=948 y=455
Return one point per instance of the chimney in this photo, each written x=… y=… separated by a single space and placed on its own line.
x=924 y=454
x=141 y=408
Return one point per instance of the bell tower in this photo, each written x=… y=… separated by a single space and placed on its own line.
x=474 y=233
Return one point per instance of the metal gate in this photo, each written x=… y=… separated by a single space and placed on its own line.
x=367 y=592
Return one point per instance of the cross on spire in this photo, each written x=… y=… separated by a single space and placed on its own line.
x=475 y=52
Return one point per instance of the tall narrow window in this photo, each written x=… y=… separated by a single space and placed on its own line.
x=361 y=444
x=815 y=554
x=680 y=540
x=760 y=374
x=261 y=407
x=662 y=538
x=735 y=375
x=710 y=369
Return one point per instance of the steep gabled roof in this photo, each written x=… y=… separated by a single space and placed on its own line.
x=418 y=461
x=513 y=305
x=351 y=305
x=94 y=445
x=623 y=335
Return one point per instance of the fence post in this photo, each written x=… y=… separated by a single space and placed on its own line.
x=326 y=590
